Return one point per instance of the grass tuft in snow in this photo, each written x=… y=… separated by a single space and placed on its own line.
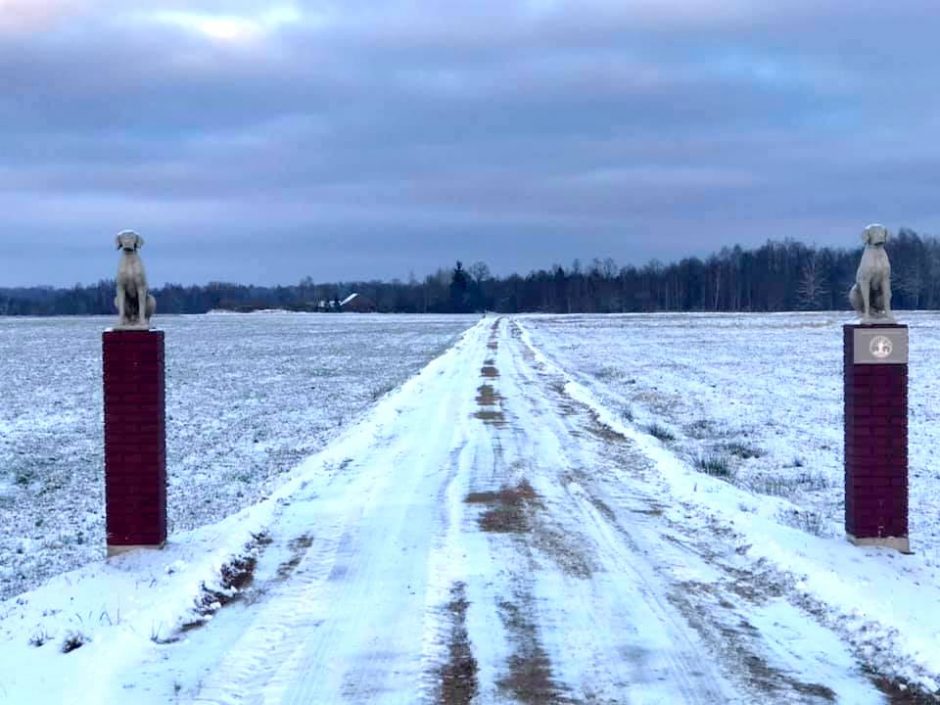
x=715 y=465
x=609 y=373
x=810 y=521
x=379 y=391
x=701 y=429
x=157 y=637
x=73 y=641
x=784 y=485
x=24 y=477
x=777 y=486
x=235 y=577
x=743 y=450
x=661 y=432
x=39 y=638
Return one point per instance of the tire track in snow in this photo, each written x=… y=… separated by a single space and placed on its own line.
x=565 y=589
x=623 y=496
x=496 y=544
x=506 y=513
x=347 y=625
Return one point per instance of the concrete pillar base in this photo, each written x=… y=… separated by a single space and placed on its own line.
x=898 y=543
x=121 y=550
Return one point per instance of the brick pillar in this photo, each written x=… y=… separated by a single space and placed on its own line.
x=134 y=439
x=876 y=487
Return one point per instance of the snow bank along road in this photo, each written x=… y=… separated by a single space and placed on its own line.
x=493 y=542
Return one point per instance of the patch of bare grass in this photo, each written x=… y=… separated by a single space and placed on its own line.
x=487 y=395
x=810 y=521
x=657 y=430
x=73 y=641
x=900 y=693
x=786 y=485
x=235 y=578
x=299 y=547
x=530 y=679
x=715 y=465
x=604 y=432
x=458 y=676
x=565 y=550
x=507 y=508
x=769 y=680
x=744 y=451
x=495 y=418
x=509 y=495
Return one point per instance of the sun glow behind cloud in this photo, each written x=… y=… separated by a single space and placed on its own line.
x=231 y=28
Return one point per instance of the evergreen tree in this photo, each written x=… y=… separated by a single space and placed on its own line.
x=459 y=286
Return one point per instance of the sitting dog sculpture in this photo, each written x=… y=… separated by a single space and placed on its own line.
x=134 y=303
x=871 y=294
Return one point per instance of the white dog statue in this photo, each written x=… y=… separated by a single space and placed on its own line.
x=871 y=294
x=134 y=303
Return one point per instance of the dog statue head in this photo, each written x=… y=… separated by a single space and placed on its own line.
x=129 y=241
x=875 y=235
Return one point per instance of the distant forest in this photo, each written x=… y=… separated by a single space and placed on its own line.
x=778 y=276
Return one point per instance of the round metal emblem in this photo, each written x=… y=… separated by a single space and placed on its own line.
x=880 y=347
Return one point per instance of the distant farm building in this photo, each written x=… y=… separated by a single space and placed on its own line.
x=357 y=304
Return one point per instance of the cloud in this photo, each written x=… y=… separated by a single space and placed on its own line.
x=28 y=16
x=227 y=28
x=433 y=125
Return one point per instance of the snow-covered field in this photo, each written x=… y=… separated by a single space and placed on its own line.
x=758 y=398
x=248 y=397
x=528 y=520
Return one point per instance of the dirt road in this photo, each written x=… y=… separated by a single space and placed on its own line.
x=497 y=544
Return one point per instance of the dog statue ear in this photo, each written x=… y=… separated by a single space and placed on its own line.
x=117 y=241
x=866 y=238
x=140 y=242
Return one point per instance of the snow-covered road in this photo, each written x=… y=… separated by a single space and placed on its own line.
x=495 y=543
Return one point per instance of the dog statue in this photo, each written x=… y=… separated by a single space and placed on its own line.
x=134 y=303
x=871 y=294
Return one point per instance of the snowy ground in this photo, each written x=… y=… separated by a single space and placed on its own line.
x=248 y=397
x=495 y=531
x=758 y=395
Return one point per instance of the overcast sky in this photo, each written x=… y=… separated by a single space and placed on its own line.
x=265 y=141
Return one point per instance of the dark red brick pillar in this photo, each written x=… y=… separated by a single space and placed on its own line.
x=876 y=486
x=134 y=439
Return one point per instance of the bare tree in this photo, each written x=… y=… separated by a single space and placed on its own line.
x=812 y=287
x=479 y=271
x=907 y=281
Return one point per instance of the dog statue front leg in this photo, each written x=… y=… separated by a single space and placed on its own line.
x=864 y=286
x=120 y=302
x=142 y=319
x=886 y=297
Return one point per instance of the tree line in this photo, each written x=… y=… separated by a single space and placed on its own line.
x=777 y=276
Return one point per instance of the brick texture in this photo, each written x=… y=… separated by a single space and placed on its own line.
x=876 y=483
x=135 y=437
